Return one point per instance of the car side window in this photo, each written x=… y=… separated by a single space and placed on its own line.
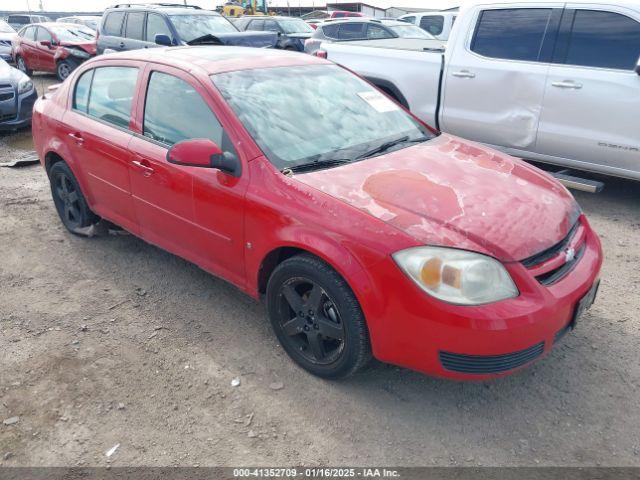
x=271 y=26
x=156 y=25
x=30 y=33
x=135 y=25
x=330 y=31
x=81 y=92
x=111 y=94
x=377 y=32
x=432 y=24
x=511 y=34
x=409 y=19
x=175 y=111
x=43 y=35
x=256 y=25
x=603 y=39
x=352 y=31
x=113 y=24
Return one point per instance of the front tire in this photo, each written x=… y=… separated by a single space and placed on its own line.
x=64 y=69
x=317 y=318
x=68 y=199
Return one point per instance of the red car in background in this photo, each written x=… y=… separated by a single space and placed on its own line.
x=53 y=47
x=376 y=235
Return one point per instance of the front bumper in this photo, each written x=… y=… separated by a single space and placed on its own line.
x=412 y=329
x=16 y=110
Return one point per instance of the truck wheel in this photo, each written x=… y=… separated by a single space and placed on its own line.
x=22 y=66
x=64 y=69
x=68 y=199
x=317 y=318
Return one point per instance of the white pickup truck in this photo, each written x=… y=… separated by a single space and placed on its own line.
x=553 y=82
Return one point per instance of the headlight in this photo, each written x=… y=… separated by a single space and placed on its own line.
x=25 y=85
x=457 y=276
x=77 y=52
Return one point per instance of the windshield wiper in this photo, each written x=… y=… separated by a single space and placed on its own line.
x=317 y=165
x=390 y=144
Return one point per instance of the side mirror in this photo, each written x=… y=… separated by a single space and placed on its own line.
x=162 y=39
x=202 y=152
x=45 y=43
x=637 y=69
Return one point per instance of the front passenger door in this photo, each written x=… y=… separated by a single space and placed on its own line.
x=194 y=212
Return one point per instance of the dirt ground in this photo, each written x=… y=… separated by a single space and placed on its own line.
x=109 y=341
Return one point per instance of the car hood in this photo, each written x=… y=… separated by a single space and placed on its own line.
x=450 y=192
x=89 y=47
x=244 y=39
x=9 y=74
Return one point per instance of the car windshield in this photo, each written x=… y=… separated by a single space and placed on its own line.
x=324 y=114
x=76 y=33
x=190 y=27
x=295 y=26
x=5 y=27
x=93 y=24
x=410 y=31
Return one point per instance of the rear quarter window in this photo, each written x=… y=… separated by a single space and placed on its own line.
x=330 y=31
x=81 y=92
x=113 y=24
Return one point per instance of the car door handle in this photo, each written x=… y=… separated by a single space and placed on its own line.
x=464 y=74
x=567 y=84
x=143 y=165
x=77 y=137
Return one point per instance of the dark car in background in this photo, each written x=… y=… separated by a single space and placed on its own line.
x=292 y=32
x=130 y=26
x=362 y=29
x=19 y=21
x=7 y=34
x=17 y=96
x=53 y=47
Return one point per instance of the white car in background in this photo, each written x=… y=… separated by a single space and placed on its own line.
x=438 y=24
x=553 y=82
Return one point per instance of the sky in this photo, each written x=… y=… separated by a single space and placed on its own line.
x=99 y=5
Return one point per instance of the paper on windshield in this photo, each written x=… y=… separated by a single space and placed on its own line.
x=378 y=102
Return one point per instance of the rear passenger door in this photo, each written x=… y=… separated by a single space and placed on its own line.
x=592 y=94
x=193 y=212
x=111 y=32
x=134 y=31
x=495 y=80
x=98 y=136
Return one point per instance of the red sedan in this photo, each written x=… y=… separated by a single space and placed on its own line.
x=365 y=231
x=53 y=47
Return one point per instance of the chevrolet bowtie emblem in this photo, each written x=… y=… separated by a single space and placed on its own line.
x=569 y=254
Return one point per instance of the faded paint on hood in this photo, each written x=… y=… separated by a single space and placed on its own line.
x=451 y=192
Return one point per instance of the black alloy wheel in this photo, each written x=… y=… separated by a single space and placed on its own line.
x=68 y=199
x=317 y=318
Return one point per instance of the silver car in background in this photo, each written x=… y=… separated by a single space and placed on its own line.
x=6 y=35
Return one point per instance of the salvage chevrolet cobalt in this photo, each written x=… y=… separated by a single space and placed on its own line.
x=365 y=231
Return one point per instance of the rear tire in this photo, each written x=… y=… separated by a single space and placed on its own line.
x=22 y=66
x=68 y=199
x=317 y=318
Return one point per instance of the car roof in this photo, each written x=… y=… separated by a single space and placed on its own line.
x=216 y=59
x=162 y=7
x=389 y=23
x=272 y=17
x=523 y=4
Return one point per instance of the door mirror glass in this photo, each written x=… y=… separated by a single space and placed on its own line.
x=202 y=152
x=162 y=39
x=637 y=69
